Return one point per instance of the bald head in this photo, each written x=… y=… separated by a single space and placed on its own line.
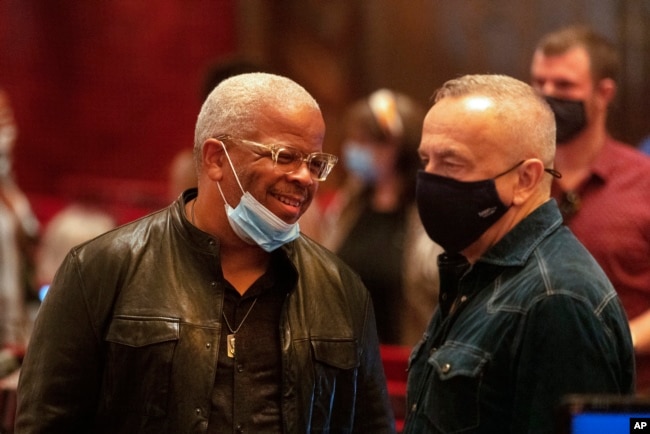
x=524 y=117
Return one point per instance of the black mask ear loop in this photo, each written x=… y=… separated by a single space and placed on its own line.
x=510 y=170
x=505 y=173
x=554 y=173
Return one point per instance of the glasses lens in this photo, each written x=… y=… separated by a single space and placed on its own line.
x=288 y=159
x=319 y=165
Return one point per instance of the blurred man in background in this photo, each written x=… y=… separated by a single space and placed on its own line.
x=18 y=238
x=604 y=192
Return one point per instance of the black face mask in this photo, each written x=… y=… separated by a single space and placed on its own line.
x=570 y=117
x=456 y=213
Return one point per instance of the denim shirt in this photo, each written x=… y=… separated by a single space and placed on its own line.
x=535 y=318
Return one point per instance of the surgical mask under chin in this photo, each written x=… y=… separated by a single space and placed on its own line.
x=570 y=118
x=454 y=213
x=360 y=160
x=256 y=224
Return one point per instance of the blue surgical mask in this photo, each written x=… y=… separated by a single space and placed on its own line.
x=256 y=224
x=360 y=160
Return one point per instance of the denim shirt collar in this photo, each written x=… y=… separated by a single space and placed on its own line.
x=517 y=245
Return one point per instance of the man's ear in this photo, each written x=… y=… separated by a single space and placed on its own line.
x=213 y=158
x=606 y=90
x=531 y=173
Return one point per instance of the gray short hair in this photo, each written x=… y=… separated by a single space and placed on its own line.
x=529 y=118
x=234 y=106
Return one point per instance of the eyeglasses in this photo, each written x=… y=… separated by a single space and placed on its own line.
x=289 y=159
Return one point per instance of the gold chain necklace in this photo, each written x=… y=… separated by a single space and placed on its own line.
x=230 y=339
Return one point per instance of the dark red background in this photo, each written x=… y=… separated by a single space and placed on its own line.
x=105 y=93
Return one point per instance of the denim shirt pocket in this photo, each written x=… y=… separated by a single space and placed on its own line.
x=139 y=363
x=452 y=400
x=336 y=365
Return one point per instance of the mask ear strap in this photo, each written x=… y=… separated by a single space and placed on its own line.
x=554 y=173
x=510 y=170
x=222 y=196
x=233 y=170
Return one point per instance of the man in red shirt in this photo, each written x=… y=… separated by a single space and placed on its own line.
x=604 y=192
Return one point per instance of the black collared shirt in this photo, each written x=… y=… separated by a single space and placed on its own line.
x=247 y=390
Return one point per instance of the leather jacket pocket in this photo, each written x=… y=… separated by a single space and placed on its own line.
x=336 y=364
x=452 y=398
x=139 y=364
x=341 y=354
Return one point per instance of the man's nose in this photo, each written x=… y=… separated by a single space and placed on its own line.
x=548 y=89
x=302 y=173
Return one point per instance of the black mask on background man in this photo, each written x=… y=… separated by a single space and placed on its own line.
x=570 y=117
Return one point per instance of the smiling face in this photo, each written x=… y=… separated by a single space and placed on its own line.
x=287 y=195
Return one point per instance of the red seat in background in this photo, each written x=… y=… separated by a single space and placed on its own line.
x=395 y=361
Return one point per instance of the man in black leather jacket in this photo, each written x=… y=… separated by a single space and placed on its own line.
x=214 y=315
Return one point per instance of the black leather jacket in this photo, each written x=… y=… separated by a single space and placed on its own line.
x=127 y=338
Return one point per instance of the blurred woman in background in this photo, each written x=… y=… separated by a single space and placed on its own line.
x=372 y=222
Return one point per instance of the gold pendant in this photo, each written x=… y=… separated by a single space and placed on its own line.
x=230 y=339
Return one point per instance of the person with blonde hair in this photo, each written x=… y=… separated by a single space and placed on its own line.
x=372 y=223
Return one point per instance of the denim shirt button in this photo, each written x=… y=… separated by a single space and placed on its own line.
x=446 y=368
x=463 y=299
x=414 y=407
x=444 y=296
